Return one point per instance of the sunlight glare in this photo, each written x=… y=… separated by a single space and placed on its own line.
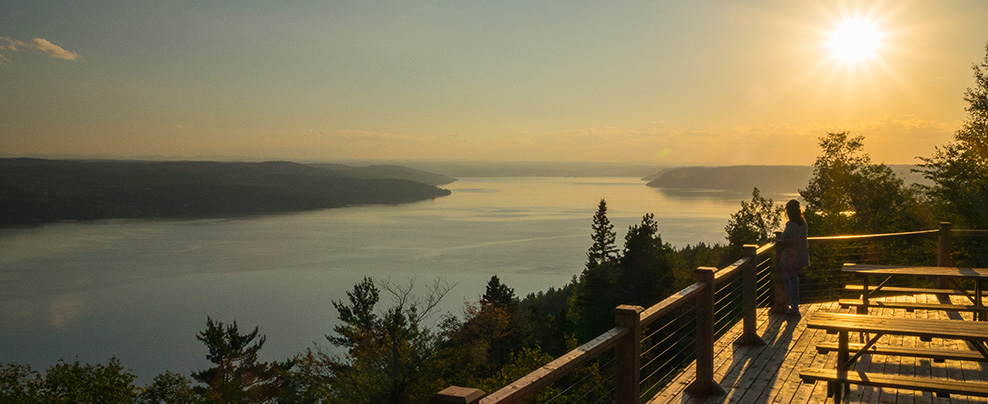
x=855 y=40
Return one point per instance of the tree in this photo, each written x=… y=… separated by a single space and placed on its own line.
x=170 y=388
x=849 y=194
x=755 y=223
x=68 y=383
x=959 y=170
x=604 y=248
x=389 y=357
x=78 y=383
x=238 y=377
x=308 y=381
x=19 y=384
x=646 y=270
x=591 y=306
x=499 y=294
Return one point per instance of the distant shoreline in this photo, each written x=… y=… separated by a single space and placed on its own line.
x=36 y=191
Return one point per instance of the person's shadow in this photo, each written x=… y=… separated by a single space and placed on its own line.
x=752 y=361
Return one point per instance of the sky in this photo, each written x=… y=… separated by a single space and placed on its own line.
x=654 y=82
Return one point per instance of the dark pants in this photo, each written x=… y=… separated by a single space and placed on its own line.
x=791 y=280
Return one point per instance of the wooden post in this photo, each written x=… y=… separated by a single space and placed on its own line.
x=627 y=355
x=780 y=300
x=749 y=297
x=458 y=395
x=943 y=249
x=943 y=252
x=704 y=383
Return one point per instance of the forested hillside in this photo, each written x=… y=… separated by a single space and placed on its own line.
x=388 y=171
x=37 y=190
x=772 y=179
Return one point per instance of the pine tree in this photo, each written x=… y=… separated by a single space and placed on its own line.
x=604 y=246
x=499 y=294
x=237 y=377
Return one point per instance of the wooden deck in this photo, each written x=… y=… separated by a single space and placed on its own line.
x=770 y=374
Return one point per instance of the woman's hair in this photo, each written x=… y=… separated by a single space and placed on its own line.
x=792 y=210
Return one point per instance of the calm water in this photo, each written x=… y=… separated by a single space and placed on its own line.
x=141 y=290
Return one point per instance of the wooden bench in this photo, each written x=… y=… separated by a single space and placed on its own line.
x=899 y=290
x=874 y=328
x=940 y=387
x=910 y=306
x=938 y=355
x=945 y=275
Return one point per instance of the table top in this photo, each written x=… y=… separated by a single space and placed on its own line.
x=975 y=273
x=920 y=327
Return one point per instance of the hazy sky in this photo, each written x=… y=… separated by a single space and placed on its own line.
x=663 y=82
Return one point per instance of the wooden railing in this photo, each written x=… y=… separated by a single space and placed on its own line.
x=625 y=337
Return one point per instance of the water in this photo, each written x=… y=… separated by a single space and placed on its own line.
x=141 y=290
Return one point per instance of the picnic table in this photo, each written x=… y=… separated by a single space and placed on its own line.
x=948 y=275
x=975 y=333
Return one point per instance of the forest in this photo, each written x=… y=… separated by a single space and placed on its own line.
x=397 y=351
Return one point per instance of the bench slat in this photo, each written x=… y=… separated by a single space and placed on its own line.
x=919 y=327
x=940 y=387
x=913 y=306
x=913 y=291
x=935 y=354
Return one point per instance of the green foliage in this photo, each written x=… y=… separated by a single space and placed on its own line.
x=850 y=195
x=308 y=381
x=959 y=170
x=646 y=265
x=68 y=383
x=499 y=294
x=390 y=358
x=641 y=274
x=546 y=313
x=519 y=365
x=603 y=248
x=19 y=384
x=755 y=223
x=170 y=388
x=237 y=376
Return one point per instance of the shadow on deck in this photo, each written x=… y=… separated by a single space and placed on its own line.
x=770 y=373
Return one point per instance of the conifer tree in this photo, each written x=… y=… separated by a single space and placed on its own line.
x=604 y=247
x=237 y=376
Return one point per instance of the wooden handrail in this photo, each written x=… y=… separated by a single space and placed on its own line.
x=542 y=377
x=670 y=303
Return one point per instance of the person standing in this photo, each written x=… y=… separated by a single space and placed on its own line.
x=795 y=254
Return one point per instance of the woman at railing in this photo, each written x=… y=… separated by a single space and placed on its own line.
x=795 y=254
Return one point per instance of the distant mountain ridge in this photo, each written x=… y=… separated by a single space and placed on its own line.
x=775 y=179
x=37 y=190
x=388 y=171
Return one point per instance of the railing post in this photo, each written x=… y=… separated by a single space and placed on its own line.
x=749 y=296
x=704 y=383
x=627 y=355
x=943 y=250
x=780 y=300
x=458 y=395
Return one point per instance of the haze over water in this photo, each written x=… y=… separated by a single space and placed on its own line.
x=141 y=290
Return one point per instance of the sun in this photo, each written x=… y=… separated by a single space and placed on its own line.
x=855 y=40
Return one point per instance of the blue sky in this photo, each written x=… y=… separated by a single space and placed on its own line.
x=708 y=82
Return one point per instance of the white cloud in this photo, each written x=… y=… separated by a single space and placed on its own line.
x=53 y=50
x=40 y=44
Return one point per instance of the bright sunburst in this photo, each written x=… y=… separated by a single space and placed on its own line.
x=855 y=40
